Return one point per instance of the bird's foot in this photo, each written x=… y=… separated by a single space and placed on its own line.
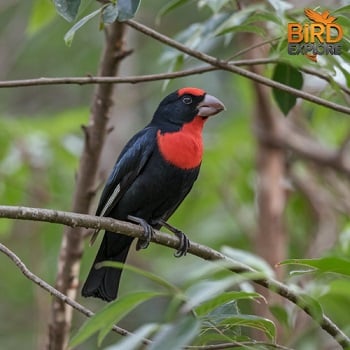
x=142 y=243
x=184 y=241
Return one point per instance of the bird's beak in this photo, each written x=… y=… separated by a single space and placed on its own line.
x=210 y=106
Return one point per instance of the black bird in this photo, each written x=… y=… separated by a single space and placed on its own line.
x=153 y=174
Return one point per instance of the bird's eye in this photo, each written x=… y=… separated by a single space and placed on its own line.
x=187 y=100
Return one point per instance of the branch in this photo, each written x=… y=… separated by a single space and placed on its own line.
x=216 y=62
x=44 y=285
x=124 y=80
x=72 y=241
x=201 y=251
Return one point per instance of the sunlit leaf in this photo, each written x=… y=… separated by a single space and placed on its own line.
x=287 y=75
x=68 y=9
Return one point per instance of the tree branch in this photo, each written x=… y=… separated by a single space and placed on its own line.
x=216 y=62
x=201 y=251
x=72 y=241
x=44 y=285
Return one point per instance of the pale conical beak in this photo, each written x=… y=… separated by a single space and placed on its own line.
x=210 y=106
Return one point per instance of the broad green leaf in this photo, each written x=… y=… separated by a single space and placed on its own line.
x=327 y=264
x=224 y=298
x=242 y=28
x=110 y=13
x=177 y=335
x=68 y=38
x=287 y=75
x=68 y=9
x=104 y=320
x=127 y=9
x=263 y=324
x=42 y=14
x=154 y=278
x=133 y=341
x=281 y=314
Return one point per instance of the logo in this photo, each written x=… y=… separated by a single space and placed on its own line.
x=321 y=36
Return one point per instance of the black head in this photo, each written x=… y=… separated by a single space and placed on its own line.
x=183 y=105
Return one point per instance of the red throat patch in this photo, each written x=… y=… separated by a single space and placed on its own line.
x=183 y=148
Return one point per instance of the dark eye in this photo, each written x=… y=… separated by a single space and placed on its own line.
x=187 y=100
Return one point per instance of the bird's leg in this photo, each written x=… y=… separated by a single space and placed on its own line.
x=142 y=243
x=184 y=241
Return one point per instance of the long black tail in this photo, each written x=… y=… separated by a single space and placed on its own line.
x=103 y=283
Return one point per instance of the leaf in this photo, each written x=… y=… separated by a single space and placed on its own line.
x=287 y=75
x=110 y=13
x=263 y=324
x=68 y=38
x=127 y=9
x=170 y=6
x=68 y=9
x=209 y=289
x=177 y=335
x=104 y=320
x=223 y=298
x=332 y=264
x=42 y=14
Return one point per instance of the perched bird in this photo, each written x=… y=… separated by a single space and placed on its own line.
x=152 y=176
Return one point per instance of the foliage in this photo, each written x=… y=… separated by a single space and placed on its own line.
x=186 y=302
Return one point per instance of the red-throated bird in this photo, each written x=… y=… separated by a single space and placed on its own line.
x=152 y=176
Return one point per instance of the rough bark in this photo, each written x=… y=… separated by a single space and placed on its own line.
x=72 y=242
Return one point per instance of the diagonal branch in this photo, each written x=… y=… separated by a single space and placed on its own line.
x=216 y=62
x=44 y=285
x=112 y=225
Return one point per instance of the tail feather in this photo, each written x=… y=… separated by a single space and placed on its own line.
x=103 y=283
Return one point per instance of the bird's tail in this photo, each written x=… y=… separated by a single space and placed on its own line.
x=103 y=283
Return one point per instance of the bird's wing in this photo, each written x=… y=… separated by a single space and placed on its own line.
x=131 y=161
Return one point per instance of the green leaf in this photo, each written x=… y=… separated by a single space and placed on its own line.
x=263 y=324
x=209 y=289
x=110 y=13
x=223 y=298
x=104 y=320
x=68 y=38
x=177 y=335
x=288 y=75
x=154 y=278
x=42 y=14
x=127 y=9
x=68 y=9
x=332 y=264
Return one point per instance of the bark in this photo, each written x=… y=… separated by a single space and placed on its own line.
x=72 y=242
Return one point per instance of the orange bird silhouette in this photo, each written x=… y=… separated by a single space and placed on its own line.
x=323 y=17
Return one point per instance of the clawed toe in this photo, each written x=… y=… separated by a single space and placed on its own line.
x=143 y=243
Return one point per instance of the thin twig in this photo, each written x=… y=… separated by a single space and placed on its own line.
x=53 y=291
x=124 y=80
x=112 y=225
x=216 y=62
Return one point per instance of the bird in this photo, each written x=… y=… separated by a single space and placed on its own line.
x=317 y=17
x=153 y=174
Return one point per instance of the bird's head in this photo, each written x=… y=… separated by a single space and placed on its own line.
x=183 y=105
